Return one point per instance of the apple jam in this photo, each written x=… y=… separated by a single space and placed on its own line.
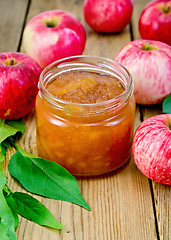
x=85 y=87
x=85 y=114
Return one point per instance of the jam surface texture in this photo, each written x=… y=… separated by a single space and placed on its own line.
x=85 y=87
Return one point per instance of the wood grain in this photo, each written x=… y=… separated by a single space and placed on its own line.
x=11 y=23
x=113 y=197
x=162 y=194
x=138 y=7
x=121 y=201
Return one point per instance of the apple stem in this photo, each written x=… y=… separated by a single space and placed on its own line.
x=12 y=62
x=147 y=46
x=50 y=24
x=167 y=9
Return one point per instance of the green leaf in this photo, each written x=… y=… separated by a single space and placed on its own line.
x=11 y=203
x=6 y=217
x=167 y=104
x=10 y=128
x=3 y=231
x=6 y=143
x=2 y=181
x=33 y=210
x=17 y=124
x=3 y=150
x=45 y=178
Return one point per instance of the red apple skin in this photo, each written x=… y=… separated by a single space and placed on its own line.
x=150 y=69
x=107 y=16
x=152 y=148
x=155 y=23
x=18 y=84
x=48 y=44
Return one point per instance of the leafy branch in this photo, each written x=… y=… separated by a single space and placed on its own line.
x=36 y=175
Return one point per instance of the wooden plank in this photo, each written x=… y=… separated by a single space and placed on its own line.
x=138 y=7
x=162 y=194
x=12 y=16
x=113 y=197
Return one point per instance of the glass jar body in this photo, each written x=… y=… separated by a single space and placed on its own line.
x=91 y=143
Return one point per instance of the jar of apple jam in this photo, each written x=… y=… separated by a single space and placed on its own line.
x=85 y=114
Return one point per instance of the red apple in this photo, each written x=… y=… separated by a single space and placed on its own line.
x=155 y=21
x=107 y=15
x=149 y=63
x=19 y=76
x=52 y=35
x=152 y=148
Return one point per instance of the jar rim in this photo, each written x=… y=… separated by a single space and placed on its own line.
x=128 y=90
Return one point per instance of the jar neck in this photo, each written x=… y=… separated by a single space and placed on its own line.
x=89 y=64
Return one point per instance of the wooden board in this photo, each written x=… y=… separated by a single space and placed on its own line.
x=122 y=201
x=161 y=194
x=12 y=17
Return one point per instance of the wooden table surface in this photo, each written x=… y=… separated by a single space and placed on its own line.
x=125 y=204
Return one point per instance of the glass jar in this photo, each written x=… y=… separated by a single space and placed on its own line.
x=86 y=139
